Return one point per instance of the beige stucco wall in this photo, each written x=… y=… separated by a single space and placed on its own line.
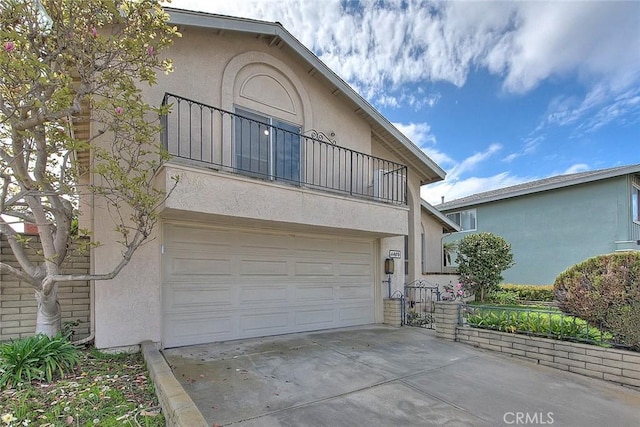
x=128 y=308
x=414 y=227
x=398 y=277
x=435 y=273
x=219 y=193
x=433 y=243
x=201 y=59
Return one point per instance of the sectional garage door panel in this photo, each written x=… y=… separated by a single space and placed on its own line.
x=222 y=284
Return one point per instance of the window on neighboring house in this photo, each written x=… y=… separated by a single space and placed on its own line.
x=465 y=219
x=635 y=203
x=266 y=147
x=406 y=255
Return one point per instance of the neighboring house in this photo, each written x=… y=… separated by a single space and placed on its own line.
x=292 y=192
x=556 y=222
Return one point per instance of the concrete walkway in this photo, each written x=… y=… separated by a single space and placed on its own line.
x=382 y=376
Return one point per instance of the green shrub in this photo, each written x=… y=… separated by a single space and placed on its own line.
x=35 y=358
x=482 y=257
x=548 y=324
x=530 y=292
x=624 y=323
x=503 y=297
x=605 y=291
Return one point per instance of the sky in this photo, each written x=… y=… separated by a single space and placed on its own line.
x=496 y=93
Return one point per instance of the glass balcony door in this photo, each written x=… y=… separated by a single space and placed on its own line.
x=266 y=147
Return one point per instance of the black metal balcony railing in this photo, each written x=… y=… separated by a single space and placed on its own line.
x=265 y=148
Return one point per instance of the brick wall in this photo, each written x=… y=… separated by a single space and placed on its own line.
x=619 y=366
x=392 y=312
x=17 y=301
x=446 y=318
x=609 y=364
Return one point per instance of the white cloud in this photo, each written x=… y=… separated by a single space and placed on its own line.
x=529 y=147
x=417 y=99
x=388 y=101
x=470 y=163
x=556 y=39
x=601 y=106
x=578 y=167
x=421 y=135
x=457 y=185
x=380 y=46
x=452 y=188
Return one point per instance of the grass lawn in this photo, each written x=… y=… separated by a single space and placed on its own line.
x=103 y=390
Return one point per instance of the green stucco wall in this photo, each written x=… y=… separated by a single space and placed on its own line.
x=552 y=230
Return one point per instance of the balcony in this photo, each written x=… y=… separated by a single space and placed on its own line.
x=263 y=148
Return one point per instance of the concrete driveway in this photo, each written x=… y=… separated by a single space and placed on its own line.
x=382 y=376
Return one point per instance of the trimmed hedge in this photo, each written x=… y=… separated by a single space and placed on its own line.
x=527 y=292
x=605 y=291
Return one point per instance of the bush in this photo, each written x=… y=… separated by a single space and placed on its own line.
x=503 y=297
x=605 y=291
x=36 y=358
x=482 y=258
x=530 y=292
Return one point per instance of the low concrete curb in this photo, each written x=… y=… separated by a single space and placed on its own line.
x=178 y=408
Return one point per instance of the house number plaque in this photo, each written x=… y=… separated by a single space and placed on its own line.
x=395 y=254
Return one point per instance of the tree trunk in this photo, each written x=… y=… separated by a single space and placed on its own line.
x=49 y=316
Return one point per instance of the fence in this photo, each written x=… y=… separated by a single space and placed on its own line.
x=418 y=305
x=266 y=148
x=547 y=323
x=18 y=305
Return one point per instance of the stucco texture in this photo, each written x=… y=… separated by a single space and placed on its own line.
x=231 y=70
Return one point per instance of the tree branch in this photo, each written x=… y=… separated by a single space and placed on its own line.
x=7 y=269
x=46 y=233
x=21 y=215
x=29 y=271
x=126 y=257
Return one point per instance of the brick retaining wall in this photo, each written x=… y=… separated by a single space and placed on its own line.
x=18 y=304
x=609 y=364
x=619 y=366
x=392 y=312
x=446 y=318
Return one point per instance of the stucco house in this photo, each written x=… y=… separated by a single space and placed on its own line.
x=556 y=222
x=293 y=192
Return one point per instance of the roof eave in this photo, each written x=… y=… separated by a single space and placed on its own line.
x=606 y=174
x=447 y=224
x=229 y=23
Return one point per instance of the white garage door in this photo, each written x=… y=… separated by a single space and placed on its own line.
x=221 y=284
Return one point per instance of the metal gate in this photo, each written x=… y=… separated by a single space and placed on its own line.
x=418 y=305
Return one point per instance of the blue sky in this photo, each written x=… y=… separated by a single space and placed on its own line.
x=497 y=93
